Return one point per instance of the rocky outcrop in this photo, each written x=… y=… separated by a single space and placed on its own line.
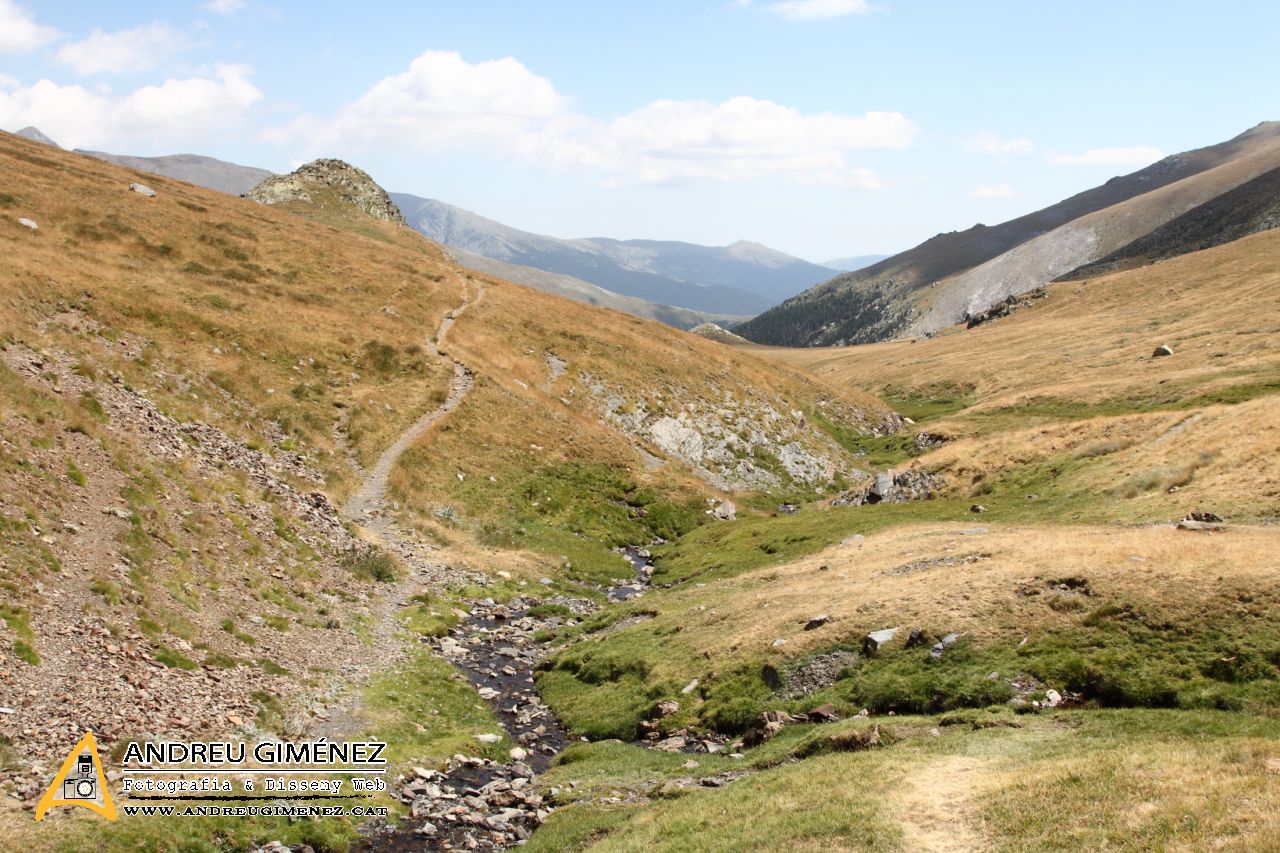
x=322 y=182
x=893 y=488
x=1003 y=308
x=735 y=445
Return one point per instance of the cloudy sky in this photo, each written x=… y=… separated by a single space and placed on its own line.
x=820 y=127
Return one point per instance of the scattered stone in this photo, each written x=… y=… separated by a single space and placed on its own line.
x=725 y=511
x=976 y=508
x=825 y=713
x=488 y=738
x=1052 y=698
x=817 y=621
x=1202 y=526
x=778 y=643
x=927 y=441
x=665 y=708
x=1162 y=351
x=943 y=644
x=915 y=638
x=690 y=687
x=1003 y=308
x=873 y=641
x=1206 y=517
x=143 y=189
x=28 y=223
x=904 y=486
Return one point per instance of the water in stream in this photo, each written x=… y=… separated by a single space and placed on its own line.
x=477 y=803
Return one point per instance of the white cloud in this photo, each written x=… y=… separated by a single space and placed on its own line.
x=990 y=143
x=19 y=32
x=1138 y=155
x=991 y=191
x=813 y=10
x=138 y=49
x=225 y=7
x=175 y=111
x=443 y=103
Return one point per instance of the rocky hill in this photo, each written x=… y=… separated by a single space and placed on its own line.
x=34 y=134
x=328 y=184
x=741 y=279
x=939 y=281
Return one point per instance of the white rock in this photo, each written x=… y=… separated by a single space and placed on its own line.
x=143 y=189
x=488 y=738
x=518 y=754
x=690 y=687
x=27 y=223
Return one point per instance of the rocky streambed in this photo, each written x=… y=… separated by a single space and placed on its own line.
x=478 y=803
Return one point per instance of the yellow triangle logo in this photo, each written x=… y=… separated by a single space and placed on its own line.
x=80 y=782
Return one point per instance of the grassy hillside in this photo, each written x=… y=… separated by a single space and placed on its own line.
x=192 y=386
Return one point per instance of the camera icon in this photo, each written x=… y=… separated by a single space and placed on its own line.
x=84 y=785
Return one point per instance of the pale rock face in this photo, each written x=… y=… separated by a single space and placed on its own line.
x=803 y=465
x=677 y=439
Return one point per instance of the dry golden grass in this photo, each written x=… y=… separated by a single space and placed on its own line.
x=1154 y=465
x=245 y=314
x=1180 y=575
x=249 y=314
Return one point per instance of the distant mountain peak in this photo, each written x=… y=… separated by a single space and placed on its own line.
x=34 y=134
x=326 y=181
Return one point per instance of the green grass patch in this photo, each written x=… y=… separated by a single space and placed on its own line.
x=425 y=714
x=76 y=475
x=576 y=511
x=173 y=658
x=429 y=616
x=19 y=621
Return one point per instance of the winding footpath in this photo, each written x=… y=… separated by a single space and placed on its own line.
x=367 y=506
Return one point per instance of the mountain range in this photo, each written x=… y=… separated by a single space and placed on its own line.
x=953 y=275
x=743 y=278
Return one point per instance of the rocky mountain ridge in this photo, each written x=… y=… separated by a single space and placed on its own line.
x=936 y=283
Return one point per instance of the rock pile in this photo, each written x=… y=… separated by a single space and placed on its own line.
x=210 y=447
x=475 y=804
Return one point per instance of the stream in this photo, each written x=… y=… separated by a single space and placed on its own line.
x=478 y=803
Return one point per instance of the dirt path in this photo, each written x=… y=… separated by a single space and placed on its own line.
x=935 y=806
x=366 y=506
x=339 y=712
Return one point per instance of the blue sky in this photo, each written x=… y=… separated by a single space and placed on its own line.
x=819 y=127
